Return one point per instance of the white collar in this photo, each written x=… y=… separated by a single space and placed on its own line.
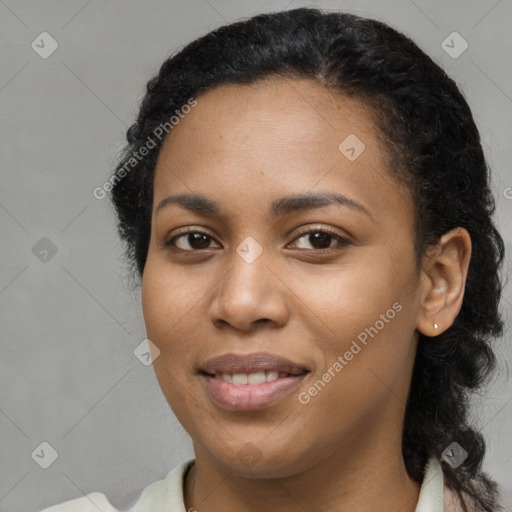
x=432 y=488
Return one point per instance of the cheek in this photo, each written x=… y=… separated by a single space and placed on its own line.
x=170 y=303
x=168 y=306
x=347 y=298
x=373 y=351
x=156 y=299
x=366 y=373
x=367 y=318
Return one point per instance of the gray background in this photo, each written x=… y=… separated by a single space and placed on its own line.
x=69 y=325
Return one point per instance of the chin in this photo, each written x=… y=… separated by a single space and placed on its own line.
x=248 y=460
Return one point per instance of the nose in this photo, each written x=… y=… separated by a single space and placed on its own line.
x=249 y=295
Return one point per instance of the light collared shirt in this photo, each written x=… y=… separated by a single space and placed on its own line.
x=167 y=494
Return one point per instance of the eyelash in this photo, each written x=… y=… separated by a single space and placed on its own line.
x=342 y=242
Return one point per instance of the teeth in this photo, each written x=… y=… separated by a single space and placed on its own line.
x=257 y=378
x=241 y=379
x=272 y=376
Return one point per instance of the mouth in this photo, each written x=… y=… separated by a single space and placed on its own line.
x=252 y=379
x=247 y=382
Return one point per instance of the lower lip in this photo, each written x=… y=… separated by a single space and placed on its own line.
x=248 y=396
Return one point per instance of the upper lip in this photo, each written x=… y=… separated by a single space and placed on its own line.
x=251 y=363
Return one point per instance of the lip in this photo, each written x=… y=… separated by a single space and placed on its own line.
x=247 y=397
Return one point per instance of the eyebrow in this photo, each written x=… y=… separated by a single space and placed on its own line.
x=280 y=207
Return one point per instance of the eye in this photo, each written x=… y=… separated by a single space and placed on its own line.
x=321 y=239
x=190 y=241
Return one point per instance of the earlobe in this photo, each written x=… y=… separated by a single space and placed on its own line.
x=445 y=272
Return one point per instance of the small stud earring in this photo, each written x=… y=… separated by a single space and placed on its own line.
x=436 y=326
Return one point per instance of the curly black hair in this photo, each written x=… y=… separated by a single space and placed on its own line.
x=435 y=150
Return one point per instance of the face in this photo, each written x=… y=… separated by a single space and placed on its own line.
x=285 y=323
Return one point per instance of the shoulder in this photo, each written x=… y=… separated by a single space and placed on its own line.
x=162 y=494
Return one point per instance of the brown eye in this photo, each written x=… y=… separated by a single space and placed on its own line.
x=191 y=241
x=321 y=239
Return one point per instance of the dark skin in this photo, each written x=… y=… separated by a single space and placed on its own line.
x=244 y=147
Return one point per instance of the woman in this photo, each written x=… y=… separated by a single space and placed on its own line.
x=305 y=198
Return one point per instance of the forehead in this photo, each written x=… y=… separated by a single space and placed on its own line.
x=274 y=136
x=272 y=116
x=298 y=109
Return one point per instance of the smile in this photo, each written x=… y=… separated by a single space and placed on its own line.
x=251 y=381
x=248 y=391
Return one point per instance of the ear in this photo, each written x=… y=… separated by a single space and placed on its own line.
x=443 y=281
